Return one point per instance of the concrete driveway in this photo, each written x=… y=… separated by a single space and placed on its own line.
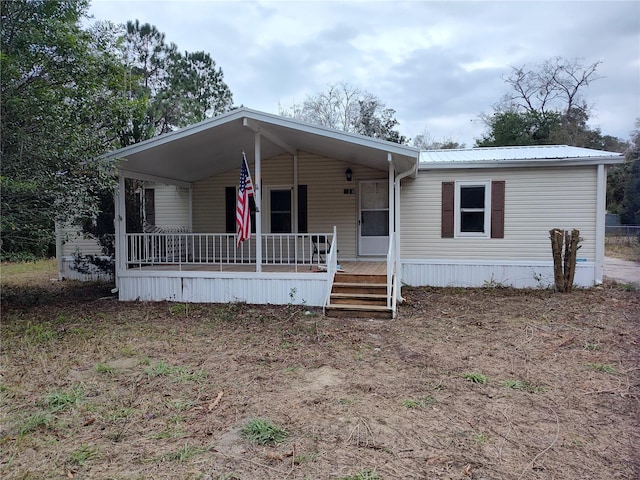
x=622 y=271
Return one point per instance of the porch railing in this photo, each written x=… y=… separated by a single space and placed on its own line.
x=147 y=249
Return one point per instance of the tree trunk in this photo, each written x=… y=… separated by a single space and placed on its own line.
x=564 y=247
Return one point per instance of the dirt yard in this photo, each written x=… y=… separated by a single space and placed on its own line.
x=464 y=384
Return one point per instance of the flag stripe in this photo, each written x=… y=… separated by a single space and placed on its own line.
x=243 y=214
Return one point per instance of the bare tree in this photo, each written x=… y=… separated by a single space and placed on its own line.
x=545 y=105
x=554 y=85
x=424 y=141
x=347 y=108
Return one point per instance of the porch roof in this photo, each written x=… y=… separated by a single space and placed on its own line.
x=214 y=145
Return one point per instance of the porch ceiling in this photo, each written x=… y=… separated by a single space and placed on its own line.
x=214 y=145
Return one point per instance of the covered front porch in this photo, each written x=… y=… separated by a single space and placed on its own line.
x=325 y=202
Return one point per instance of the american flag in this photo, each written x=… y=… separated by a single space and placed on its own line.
x=243 y=216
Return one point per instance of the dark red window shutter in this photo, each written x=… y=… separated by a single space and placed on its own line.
x=302 y=209
x=497 y=209
x=230 y=199
x=448 y=191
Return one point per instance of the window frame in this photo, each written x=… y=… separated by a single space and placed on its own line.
x=267 y=208
x=457 y=217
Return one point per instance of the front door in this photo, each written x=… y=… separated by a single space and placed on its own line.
x=373 y=223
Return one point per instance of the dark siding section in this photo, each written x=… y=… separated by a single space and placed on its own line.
x=497 y=209
x=302 y=209
x=448 y=191
x=230 y=209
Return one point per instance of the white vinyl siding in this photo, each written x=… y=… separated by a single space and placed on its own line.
x=327 y=204
x=73 y=242
x=171 y=205
x=171 y=208
x=536 y=200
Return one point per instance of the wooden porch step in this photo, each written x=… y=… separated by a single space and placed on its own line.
x=359 y=296
x=357 y=311
x=350 y=298
x=360 y=288
x=360 y=278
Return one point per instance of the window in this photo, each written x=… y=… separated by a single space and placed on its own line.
x=473 y=209
x=472 y=203
x=280 y=211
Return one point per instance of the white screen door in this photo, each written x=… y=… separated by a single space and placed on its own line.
x=373 y=224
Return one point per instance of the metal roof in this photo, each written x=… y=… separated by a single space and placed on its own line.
x=214 y=145
x=516 y=156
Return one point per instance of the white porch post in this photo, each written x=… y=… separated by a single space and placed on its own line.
x=258 y=199
x=398 y=292
x=294 y=207
x=190 y=209
x=391 y=196
x=120 y=221
x=601 y=189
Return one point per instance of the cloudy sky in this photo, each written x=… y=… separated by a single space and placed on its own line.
x=438 y=64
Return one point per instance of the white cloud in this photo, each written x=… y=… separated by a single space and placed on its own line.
x=438 y=64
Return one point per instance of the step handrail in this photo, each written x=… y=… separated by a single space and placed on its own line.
x=332 y=268
x=391 y=272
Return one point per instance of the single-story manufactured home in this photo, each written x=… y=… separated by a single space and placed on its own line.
x=334 y=208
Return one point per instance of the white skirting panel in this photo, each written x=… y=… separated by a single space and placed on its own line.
x=198 y=289
x=67 y=272
x=471 y=273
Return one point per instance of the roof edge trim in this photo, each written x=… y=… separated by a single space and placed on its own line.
x=552 y=162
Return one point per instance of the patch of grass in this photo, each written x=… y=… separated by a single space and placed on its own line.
x=627 y=287
x=520 y=385
x=120 y=413
x=423 y=402
x=81 y=455
x=573 y=441
x=104 y=368
x=535 y=389
x=476 y=377
x=28 y=272
x=304 y=458
x=365 y=474
x=603 y=367
x=347 y=401
x=513 y=384
x=480 y=438
x=168 y=433
x=592 y=346
x=36 y=421
x=626 y=247
x=185 y=375
x=284 y=345
x=40 y=333
x=128 y=351
x=186 y=453
x=159 y=369
x=59 y=401
x=181 y=404
x=182 y=374
x=263 y=432
x=178 y=309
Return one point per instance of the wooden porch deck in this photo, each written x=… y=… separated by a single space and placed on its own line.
x=362 y=268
